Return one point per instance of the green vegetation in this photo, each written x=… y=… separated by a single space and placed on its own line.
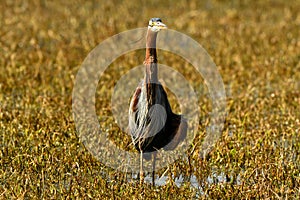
x=255 y=45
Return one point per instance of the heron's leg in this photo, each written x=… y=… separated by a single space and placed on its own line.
x=153 y=168
x=141 y=169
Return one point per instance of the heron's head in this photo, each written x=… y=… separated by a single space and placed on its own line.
x=156 y=25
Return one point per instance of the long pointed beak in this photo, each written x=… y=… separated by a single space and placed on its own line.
x=161 y=25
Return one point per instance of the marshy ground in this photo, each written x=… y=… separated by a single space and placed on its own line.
x=255 y=45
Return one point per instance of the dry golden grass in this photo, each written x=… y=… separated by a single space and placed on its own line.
x=255 y=45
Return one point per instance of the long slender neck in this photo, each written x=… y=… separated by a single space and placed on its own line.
x=151 y=57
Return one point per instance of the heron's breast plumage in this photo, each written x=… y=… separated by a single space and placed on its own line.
x=152 y=123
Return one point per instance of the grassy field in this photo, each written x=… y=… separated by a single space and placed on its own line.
x=255 y=45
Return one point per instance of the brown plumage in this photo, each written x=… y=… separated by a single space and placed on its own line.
x=152 y=123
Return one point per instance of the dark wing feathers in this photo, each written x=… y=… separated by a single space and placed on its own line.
x=173 y=132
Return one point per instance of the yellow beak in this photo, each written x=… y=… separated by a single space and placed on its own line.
x=160 y=25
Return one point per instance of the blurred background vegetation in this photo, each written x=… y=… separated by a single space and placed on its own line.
x=255 y=45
